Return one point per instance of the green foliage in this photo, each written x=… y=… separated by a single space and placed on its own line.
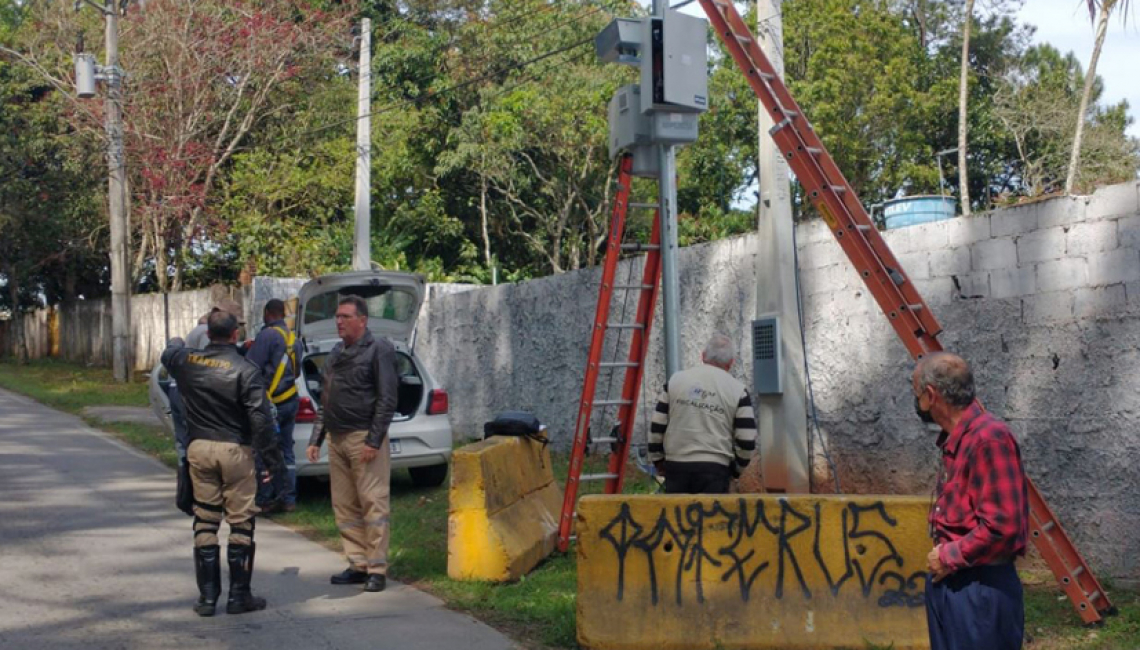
x=483 y=166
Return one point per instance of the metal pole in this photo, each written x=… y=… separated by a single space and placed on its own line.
x=667 y=190
x=361 y=254
x=116 y=194
x=667 y=186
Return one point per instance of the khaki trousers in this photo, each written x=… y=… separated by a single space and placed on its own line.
x=360 y=494
x=224 y=488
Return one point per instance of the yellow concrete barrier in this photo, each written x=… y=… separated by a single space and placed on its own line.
x=504 y=509
x=752 y=571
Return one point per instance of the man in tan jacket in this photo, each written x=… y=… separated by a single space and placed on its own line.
x=358 y=400
x=703 y=432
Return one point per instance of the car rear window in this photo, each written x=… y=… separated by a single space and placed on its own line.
x=389 y=303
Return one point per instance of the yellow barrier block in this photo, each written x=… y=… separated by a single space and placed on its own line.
x=752 y=571
x=503 y=512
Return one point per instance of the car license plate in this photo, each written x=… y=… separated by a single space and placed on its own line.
x=395 y=446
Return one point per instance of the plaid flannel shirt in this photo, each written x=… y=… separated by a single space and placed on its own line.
x=981 y=513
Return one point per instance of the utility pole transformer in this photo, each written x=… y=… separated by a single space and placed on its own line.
x=361 y=252
x=86 y=73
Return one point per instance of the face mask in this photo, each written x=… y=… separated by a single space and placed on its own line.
x=925 y=416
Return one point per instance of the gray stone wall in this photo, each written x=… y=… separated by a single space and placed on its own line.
x=1044 y=299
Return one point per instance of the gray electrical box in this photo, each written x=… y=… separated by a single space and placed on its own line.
x=620 y=42
x=631 y=129
x=674 y=63
x=767 y=358
x=85 y=76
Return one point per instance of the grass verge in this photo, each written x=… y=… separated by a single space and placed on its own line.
x=538 y=610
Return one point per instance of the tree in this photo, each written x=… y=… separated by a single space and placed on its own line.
x=1100 y=11
x=963 y=94
x=203 y=75
x=45 y=198
x=862 y=87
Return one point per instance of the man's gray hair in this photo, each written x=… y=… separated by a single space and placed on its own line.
x=950 y=375
x=720 y=350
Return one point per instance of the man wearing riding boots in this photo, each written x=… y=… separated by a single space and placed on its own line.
x=275 y=353
x=357 y=404
x=227 y=413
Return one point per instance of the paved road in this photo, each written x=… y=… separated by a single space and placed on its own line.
x=93 y=555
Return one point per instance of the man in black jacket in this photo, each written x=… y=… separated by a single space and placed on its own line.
x=226 y=413
x=358 y=401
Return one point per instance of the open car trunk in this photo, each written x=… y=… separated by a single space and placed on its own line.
x=410 y=394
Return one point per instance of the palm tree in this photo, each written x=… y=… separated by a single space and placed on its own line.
x=1099 y=11
x=963 y=92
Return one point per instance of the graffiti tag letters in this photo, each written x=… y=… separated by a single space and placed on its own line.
x=755 y=541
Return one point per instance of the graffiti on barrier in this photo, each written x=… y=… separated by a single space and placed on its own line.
x=757 y=537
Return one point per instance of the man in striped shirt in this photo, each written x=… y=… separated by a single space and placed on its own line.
x=704 y=431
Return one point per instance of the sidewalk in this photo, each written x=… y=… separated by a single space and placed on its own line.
x=94 y=555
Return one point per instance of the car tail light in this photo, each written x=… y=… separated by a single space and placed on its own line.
x=305 y=411
x=437 y=402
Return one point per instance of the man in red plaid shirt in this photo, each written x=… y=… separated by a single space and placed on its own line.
x=979 y=519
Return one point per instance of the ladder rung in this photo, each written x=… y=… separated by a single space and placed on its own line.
x=862 y=227
x=618 y=364
x=838 y=189
x=815 y=151
x=611 y=402
x=1094 y=595
x=597 y=477
x=1078 y=571
x=1048 y=526
x=917 y=307
x=640 y=247
x=789 y=113
x=626 y=326
x=766 y=76
x=655 y=206
x=743 y=40
x=603 y=441
x=634 y=287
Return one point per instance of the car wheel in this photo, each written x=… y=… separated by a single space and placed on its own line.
x=430 y=476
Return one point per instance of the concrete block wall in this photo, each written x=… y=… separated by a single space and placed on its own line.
x=1044 y=299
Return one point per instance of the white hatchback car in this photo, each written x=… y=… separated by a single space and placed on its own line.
x=420 y=435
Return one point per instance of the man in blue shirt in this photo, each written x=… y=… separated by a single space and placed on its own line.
x=276 y=353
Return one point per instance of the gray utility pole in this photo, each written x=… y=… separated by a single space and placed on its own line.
x=782 y=418
x=667 y=195
x=86 y=74
x=361 y=252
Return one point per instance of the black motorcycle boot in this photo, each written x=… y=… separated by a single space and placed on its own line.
x=208 y=570
x=242 y=599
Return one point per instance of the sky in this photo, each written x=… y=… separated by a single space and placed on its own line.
x=1065 y=24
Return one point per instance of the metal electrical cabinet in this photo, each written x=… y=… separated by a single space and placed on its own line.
x=674 y=64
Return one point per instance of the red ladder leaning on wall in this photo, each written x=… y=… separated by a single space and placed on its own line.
x=833 y=197
x=590 y=407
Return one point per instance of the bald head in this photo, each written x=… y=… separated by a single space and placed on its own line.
x=949 y=375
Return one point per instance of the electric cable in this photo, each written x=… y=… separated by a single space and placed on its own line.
x=807 y=368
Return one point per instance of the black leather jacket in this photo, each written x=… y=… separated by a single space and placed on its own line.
x=358 y=391
x=224 y=398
